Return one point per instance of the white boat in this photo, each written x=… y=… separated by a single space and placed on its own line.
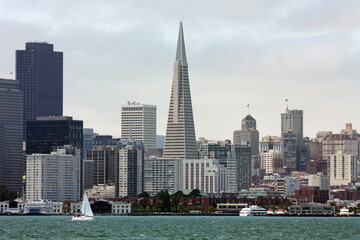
x=86 y=212
x=253 y=211
x=344 y=212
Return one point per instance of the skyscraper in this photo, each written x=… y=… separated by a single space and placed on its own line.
x=248 y=133
x=141 y=118
x=293 y=120
x=180 y=141
x=12 y=160
x=40 y=72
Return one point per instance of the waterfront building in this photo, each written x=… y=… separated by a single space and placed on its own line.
x=39 y=70
x=239 y=168
x=271 y=161
x=57 y=207
x=140 y=119
x=54 y=177
x=180 y=140
x=12 y=158
x=309 y=194
x=249 y=134
x=319 y=180
x=207 y=175
x=120 y=208
x=270 y=143
x=342 y=168
x=259 y=192
x=312 y=209
x=129 y=168
x=339 y=142
x=163 y=174
x=101 y=191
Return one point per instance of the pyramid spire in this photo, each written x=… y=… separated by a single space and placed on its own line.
x=180 y=51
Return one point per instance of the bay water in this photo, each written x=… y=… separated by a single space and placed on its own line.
x=179 y=227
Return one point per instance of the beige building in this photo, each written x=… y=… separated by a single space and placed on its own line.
x=342 y=168
x=319 y=180
x=340 y=142
x=271 y=160
x=248 y=133
x=270 y=143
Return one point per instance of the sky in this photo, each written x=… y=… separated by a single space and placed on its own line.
x=255 y=52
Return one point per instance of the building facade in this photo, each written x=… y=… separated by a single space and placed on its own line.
x=129 y=169
x=39 y=70
x=271 y=161
x=270 y=143
x=206 y=175
x=54 y=177
x=88 y=140
x=293 y=120
x=239 y=168
x=180 y=140
x=141 y=119
x=248 y=133
x=163 y=174
x=342 y=168
x=339 y=142
x=290 y=149
x=12 y=159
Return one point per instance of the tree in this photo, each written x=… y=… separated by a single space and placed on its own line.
x=143 y=195
x=195 y=193
x=66 y=206
x=164 y=203
x=211 y=209
x=179 y=194
x=6 y=194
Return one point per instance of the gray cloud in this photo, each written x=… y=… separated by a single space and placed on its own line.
x=240 y=52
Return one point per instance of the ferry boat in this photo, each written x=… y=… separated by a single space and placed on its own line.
x=280 y=212
x=253 y=211
x=344 y=212
x=270 y=212
x=38 y=208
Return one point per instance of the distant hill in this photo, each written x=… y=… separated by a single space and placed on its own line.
x=160 y=141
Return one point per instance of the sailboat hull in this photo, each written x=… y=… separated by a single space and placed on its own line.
x=82 y=218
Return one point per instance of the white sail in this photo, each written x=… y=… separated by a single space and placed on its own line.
x=85 y=208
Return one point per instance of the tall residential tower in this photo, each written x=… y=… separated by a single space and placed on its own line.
x=180 y=141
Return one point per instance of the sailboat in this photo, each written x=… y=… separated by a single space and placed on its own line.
x=86 y=212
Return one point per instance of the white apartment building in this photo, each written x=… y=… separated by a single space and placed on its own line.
x=53 y=177
x=207 y=175
x=163 y=174
x=141 y=118
x=319 y=180
x=342 y=168
x=271 y=160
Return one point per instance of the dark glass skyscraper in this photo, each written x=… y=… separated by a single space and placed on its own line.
x=40 y=72
x=12 y=159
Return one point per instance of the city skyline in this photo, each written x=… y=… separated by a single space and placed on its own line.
x=258 y=61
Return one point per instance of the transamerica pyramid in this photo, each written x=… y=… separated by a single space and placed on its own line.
x=180 y=141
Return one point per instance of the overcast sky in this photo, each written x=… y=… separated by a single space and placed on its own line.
x=239 y=52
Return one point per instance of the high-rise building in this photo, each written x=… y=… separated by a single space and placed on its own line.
x=103 y=164
x=207 y=175
x=271 y=161
x=54 y=177
x=248 y=133
x=293 y=120
x=40 y=72
x=45 y=133
x=88 y=140
x=270 y=143
x=335 y=142
x=215 y=150
x=342 y=168
x=12 y=159
x=180 y=141
x=140 y=119
x=239 y=168
x=129 y=169
x=163 y=174
x=290 y=149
